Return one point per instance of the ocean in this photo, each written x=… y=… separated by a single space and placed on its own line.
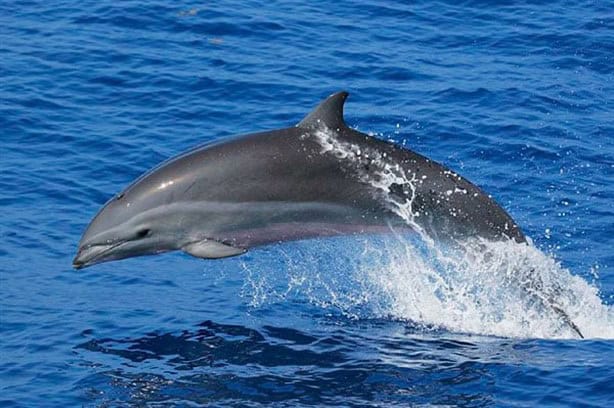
x=516 y=96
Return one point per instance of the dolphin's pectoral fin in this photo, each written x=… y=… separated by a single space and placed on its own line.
x=210 y=249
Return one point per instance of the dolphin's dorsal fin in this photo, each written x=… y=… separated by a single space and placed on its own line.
x=328 y=113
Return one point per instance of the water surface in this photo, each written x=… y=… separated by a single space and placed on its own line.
x=516 y=97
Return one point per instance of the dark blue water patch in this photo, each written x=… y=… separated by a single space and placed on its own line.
x=288 y=367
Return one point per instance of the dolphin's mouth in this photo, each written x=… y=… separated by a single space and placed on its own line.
x=94 y=253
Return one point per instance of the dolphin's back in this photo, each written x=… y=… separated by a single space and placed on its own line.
x=277 y=166
x=443 y=203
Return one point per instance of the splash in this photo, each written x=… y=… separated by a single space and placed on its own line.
x=481 y=288
x=475 y=286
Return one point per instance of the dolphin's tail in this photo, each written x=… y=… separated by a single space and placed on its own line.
x=563 y=315
x=547 y=299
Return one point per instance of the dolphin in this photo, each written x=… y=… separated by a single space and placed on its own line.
x=318 y=178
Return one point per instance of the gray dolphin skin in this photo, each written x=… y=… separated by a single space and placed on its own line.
x=318 y=178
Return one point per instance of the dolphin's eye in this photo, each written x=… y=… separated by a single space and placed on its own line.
x=143 y=233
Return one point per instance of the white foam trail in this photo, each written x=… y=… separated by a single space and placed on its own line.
x=475 y=290
x=489 y=288
x=479 y=289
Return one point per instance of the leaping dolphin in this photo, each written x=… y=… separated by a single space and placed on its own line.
x=318 y=178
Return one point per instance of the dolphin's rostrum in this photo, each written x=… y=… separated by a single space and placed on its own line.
x=318 y=178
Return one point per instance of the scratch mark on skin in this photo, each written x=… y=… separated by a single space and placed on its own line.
x=188 y=188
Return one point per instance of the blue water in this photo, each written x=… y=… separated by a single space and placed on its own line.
x=516 y=97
